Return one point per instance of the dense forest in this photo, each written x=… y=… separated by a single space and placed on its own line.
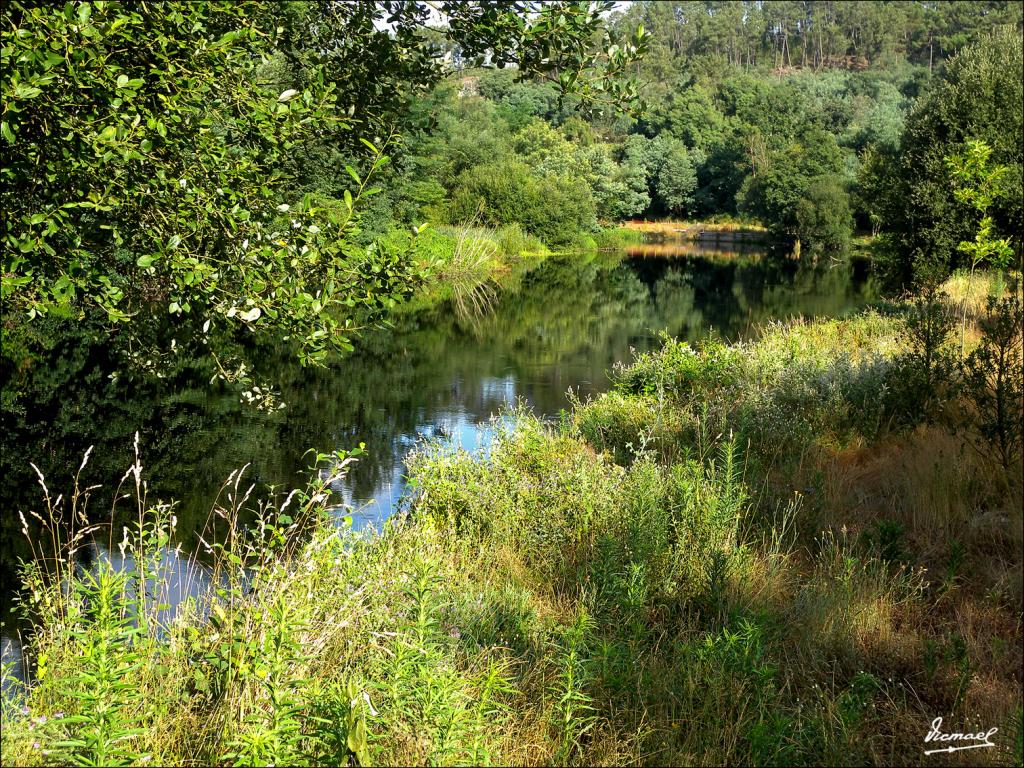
x=684 y=338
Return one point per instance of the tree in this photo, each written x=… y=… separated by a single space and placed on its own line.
x=979 y=183
x=143 y=164
x=823 y=215
x=150 y=151
x=676 y=179
x=797 y=191
x=979 y=96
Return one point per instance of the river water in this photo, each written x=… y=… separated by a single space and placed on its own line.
x=434 y=375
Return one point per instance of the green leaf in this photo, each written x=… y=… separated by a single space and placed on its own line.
x=5 y=129
x=146 y=260
x=22 y=91
x=122 y=81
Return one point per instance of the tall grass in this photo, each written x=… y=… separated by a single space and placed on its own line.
x=714 y=564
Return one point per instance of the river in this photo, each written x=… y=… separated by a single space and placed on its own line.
x=555 y=325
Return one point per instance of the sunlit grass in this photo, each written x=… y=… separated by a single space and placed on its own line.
x=684 y=227
x=972 y=291
x=742 y=555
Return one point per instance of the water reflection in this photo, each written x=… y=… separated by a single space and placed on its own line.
x=718 y=249
x=175 y=581
x=560 y=324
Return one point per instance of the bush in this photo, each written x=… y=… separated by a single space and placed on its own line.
x=553 y=208
x=513 y=242
x=923 y=380
x=679 y=370
x=617 y=238
x=995 y=380
x=627 y=426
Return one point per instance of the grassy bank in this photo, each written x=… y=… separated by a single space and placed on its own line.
x=720 y=226
x=468 y=265
x=779 y=552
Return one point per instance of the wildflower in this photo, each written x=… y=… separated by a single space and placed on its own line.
x=182 y=183
x=283 y=207
x=36 y=745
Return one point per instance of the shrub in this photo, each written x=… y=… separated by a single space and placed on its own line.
x=628 y=426
x=513 y=242
x=995 y=379
x=617 y=238
x=676 y=369
x=925 y=371
x=554 y=208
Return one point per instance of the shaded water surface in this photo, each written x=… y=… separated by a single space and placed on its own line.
x=434 y=375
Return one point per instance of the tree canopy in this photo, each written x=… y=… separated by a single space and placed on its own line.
x=980 y=96
x=153 y=153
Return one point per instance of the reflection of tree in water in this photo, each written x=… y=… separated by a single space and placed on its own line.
x=561 y=324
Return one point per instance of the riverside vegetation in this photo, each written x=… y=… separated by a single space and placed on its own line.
x=792 y=550
x=796 y=549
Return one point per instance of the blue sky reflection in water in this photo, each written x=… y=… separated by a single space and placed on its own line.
x=432 y=376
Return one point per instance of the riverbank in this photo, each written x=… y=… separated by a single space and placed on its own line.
x=468 y=265
x=725 y=230
x=761 y=553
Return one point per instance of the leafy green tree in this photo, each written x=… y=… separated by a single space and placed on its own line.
x=635 y=162
x=796 y=192
x=676 y=179
x=689 y=114
x=155 y=154
x=979 y=96
x=980 y=184
x=164 y=183
x=823 y=215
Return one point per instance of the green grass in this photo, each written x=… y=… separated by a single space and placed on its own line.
x=729 y=559
x=616 y=238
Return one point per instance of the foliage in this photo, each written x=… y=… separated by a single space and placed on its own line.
x=135 y=206
x=676 y=180
x=823 y=215
x=980 y=185
x=927 y=368
x=814 y=35
x=191 y=182
x=994 y=374
x=978 y=99
x=554 y=208
x=540 y=602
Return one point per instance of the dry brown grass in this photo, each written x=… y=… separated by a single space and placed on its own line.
x=672 y=227
x=931 y=481
x=972 y=291
x=958 y=648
